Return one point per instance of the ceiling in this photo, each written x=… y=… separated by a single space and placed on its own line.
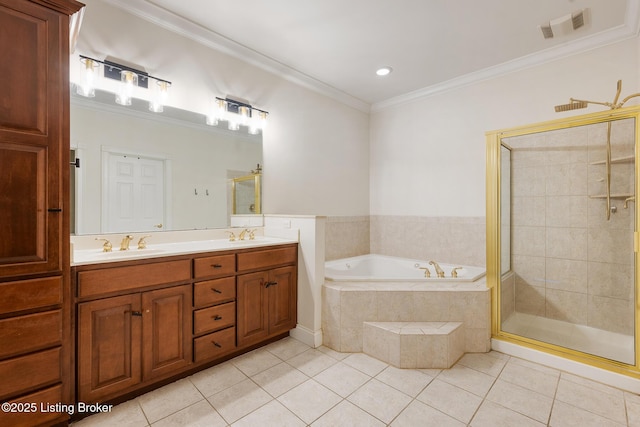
x=337 y=45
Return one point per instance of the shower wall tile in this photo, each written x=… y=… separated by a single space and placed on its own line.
x=567 y=243
x=567 y=179
x=613 y=245
x=529 y=181
x=530 y=270
x=346 y=236
x=530 y=299
x=528 y=241
x=611 y=280
x=566 y=211
x=567 y=275
x=622 y=219
x=611 y=314
x=528 y=211
x=566 y=306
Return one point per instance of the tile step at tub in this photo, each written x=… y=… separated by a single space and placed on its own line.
x=416 y=345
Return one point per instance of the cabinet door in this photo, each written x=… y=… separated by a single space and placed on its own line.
x=282 y=293
x=166 y=330
x=108 y=347
x=253 y=315
x=33 y=138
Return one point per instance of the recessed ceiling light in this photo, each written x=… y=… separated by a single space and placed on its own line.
x=384 y=71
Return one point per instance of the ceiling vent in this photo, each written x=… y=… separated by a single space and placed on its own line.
x=565 y=25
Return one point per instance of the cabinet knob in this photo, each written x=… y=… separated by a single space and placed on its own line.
x=216 y=265
x=216 y=317
x=136 y=313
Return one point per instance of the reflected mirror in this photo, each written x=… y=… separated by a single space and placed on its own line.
x=134 y=170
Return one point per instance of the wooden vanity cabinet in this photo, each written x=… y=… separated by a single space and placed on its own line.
x=267 y=298
x=131 y=339
x=35 y=325
x=147 y=321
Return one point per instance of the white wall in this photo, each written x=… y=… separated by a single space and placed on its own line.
x=315 y=148
x=428 y=155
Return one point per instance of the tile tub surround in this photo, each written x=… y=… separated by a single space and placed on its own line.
x=347 y=305
x=445 y=239
x=270 y=386
x=346 y=236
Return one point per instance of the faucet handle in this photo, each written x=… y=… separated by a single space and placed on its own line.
x=232 y=237
x=427 y=273
x=252 y=234
x=142 y=243
x=106 y=246
x=454 y=272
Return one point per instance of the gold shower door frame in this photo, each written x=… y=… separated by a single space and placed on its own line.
x=493 y=208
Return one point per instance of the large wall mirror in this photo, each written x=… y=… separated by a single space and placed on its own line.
x=142 y=171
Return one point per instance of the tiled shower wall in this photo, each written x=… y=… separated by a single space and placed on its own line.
x=570 y=263
x=443 y=239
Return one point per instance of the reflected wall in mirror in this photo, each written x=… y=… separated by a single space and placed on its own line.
x=143 y=171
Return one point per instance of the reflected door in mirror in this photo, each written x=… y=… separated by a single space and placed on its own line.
x=134 y=193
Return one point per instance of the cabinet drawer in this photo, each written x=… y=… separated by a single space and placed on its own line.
x=219 y=265
x=267 y=258
x=214 y=291
x=19 y=335
x=29 y=294
x=25 y=373
x=214 y=345
x=48 y=396
x=213 y=318
x=107 y=280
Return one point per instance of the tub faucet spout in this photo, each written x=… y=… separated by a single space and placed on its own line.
x=439 y=270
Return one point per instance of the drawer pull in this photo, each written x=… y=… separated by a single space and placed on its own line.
x=217 y=291
x=136 y=313
x=267 y=284
x=216 y=265
x=217 y=317
x=216 y=344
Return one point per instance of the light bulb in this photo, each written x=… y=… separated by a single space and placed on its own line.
x=128 y=80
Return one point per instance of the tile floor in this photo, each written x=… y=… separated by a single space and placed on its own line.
x=288 y=383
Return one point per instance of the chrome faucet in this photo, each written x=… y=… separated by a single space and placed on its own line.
x=106 y=246
x=142 y=243
x=124 y=244
x=439 y=271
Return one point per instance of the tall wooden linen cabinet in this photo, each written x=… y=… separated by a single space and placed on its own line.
x=35 y=310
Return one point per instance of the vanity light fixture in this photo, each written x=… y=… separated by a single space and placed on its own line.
x=87 y=87
x=237 y=113
x=129 y=77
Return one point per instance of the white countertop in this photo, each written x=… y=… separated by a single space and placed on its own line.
x=98 y=256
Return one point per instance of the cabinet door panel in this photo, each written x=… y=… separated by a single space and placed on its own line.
x=166 y=330
x=253 y=316
x=108 y=347
x=282 y=299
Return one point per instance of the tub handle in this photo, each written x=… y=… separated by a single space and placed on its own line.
x=454 y=272
x=427 y=273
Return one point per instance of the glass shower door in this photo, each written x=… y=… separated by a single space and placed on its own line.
x=567 y=215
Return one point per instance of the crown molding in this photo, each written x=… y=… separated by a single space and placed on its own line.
x=179 y=25
x=168 y=20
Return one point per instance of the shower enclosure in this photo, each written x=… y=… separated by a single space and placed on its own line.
x=562 y=237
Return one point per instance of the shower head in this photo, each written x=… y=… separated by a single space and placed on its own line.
x=573 y=105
